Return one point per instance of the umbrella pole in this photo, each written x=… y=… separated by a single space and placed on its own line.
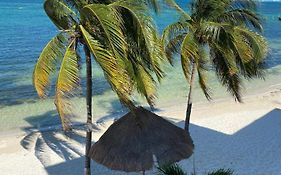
x=143 y=172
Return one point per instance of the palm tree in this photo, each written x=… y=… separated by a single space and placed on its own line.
x=223 y=33
x=119 y=35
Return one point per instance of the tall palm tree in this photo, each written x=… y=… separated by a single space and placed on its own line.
x=119 y=35
x=223 y=34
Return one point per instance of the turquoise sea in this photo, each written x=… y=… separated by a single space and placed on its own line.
x=25 y=29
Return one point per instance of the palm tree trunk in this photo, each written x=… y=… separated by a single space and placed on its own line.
x=189 y=101
x=87 y=170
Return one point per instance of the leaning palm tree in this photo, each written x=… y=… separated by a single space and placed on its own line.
x=223 y=34
x=119 y=35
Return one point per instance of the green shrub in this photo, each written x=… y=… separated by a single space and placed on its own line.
x=222 y=172
x=175 y=169
x=170 y=169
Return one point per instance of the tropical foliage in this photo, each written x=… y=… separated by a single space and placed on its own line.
x=222 y=172
x=175 y=169
x=170 y=169
x=119 y=35
x=222 y=35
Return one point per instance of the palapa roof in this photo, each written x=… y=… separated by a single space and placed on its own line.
x=130 y=143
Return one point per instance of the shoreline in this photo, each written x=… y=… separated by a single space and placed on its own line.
x=42 y=113
x=161 y=110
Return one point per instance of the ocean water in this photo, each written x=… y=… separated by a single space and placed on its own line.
x=24 y=31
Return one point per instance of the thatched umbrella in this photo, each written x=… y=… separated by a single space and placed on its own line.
x=131 y=142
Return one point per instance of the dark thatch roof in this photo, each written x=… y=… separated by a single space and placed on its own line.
x=130 y=143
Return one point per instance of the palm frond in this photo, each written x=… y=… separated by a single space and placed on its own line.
x=244 y=53
x=222 y=172
x=201 y=65
x=142 y=31
x=77 y=4
x=250 y=48
x=242 y=16
x=170 y=169
x=115 y=75
x=215 y=31
x=173 y=30
x=108 y=20
x=172 y=38
x=173 y=4
x=143 y=80
x=61 y=15
x=194 y=53
x=256 y=41
x=249 y=55
x=207 y=9
x=145 y=84
x=46 y=64
x=227 y=71
x=173 y=47
x=67 y=82
x=189 y=54
x=243 y=4
x=153 y=4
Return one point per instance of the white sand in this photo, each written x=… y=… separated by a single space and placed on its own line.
x=244 y=137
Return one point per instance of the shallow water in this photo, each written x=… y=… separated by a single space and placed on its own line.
x=25 y=29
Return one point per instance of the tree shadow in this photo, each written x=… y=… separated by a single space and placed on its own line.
x=256 y=144
x=256 y=138
x=46 y=142
x=45 y=137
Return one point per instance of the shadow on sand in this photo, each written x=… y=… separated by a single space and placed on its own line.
x=45 y=137
x=254 y=145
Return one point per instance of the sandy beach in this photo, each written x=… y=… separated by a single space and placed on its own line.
x=244 y=137
x=122 y=41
